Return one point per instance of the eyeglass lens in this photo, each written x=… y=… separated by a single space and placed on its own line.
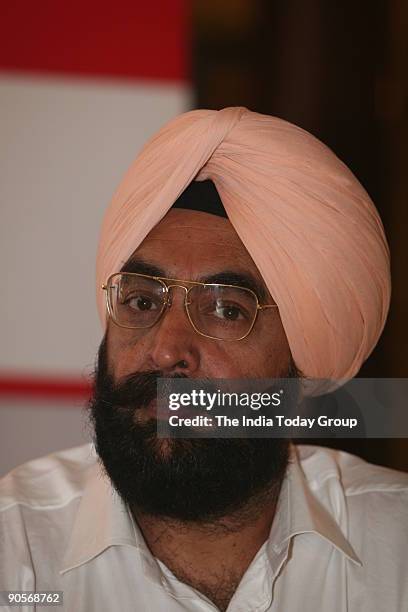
x=219 y=311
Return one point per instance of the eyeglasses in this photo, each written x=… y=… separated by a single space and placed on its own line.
x=221 y=312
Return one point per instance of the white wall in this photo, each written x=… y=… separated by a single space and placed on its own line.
x=65 y=143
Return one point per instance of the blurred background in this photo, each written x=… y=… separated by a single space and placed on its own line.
x=84 y=84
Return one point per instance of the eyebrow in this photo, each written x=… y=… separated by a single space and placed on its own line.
x=139 y=266
x=229 y=277
x=226 y=277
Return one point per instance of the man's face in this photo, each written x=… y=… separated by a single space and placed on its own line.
x=195 y=246
x=187 y=479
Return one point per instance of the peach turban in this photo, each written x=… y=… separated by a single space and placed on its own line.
x=308 y=224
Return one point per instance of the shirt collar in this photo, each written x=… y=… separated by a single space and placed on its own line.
x=300 y=511
x=103 y=520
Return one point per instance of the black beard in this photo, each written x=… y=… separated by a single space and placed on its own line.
x=198 y=480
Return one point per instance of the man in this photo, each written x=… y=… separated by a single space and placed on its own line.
x=237 y=246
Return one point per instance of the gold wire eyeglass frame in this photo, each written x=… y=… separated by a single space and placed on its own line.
x=175 y=282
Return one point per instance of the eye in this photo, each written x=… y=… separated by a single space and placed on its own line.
x=228 y=312
x=141 y=303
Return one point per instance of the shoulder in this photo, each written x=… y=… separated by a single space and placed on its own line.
x=50 y=481
x=38 y=503
x=372 y=500
x=356 y=476
x=369 y=504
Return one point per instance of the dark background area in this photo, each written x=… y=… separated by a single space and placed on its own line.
x=339 y=70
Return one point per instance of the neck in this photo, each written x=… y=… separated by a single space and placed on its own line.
x=212 y=555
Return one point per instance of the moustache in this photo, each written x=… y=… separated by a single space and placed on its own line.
x=135 y=391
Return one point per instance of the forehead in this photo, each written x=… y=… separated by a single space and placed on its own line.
x=195 y=239
x=195 y=226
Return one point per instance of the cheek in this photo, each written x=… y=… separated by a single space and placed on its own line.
x=276 y=354
x=125 y=351
x=241 y=359
x=223 y=362
x=262 y=355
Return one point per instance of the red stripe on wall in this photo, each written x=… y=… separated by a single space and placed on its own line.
x=95 y=37
x=35 y=387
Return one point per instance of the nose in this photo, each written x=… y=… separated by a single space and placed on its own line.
x=174 y=346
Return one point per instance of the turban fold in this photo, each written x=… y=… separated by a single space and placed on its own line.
x=308 y=224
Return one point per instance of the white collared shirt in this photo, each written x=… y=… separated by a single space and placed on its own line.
x=338 y=542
